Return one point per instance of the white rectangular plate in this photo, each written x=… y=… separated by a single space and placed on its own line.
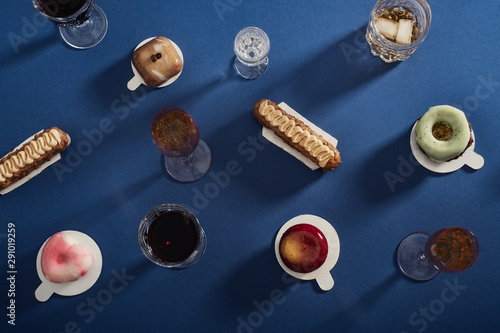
x=33 y=173
x=269 y=135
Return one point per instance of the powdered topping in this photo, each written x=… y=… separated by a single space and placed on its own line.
x=311 y=142
x=27 y=155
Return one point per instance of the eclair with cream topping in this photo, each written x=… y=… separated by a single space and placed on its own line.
x=33 y=154
x=297 y=134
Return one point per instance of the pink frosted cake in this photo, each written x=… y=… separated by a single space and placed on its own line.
x=64 y=260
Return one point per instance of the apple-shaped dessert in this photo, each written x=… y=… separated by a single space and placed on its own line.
x=303 y=248
x=64 y=260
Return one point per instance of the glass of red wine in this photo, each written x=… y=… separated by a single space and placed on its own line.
x=421 y=255
x=82 y=24
x=186 y=157
x=171 y=236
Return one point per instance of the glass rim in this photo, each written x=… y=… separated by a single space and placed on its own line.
x=62 y=19
x=426 y=10
x=163 y=112
x=444 y=268
x=259 y=31
x=148 y=219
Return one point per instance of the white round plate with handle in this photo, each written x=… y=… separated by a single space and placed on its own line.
x=322 y=275
x=47 y=288
x=469 y=157
x=137 y=80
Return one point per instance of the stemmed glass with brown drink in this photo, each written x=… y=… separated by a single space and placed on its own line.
x=421 y=256
x=82 y=24
x=186 y=157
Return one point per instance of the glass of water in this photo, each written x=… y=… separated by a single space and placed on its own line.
x=397 y=27
x=251 y=47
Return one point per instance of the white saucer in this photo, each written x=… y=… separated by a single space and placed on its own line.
x=47 y=288
x=137 y=80
x=469 y=157
x=322 y=274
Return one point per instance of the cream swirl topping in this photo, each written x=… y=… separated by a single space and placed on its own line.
x=29 y=153
x=311 y=143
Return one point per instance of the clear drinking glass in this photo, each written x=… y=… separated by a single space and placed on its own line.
x=421 y=256
x=82 y=24
x=171 y=236
x=251 y=47
x=413 y=15
x=186 y=157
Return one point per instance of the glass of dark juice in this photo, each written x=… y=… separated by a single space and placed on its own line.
x=171 y=236
x=82 y=24
x=186 y=157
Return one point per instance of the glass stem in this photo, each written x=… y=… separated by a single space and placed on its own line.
x=422 y=258
x=188 y=159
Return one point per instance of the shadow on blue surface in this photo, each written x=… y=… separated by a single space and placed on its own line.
x=104 y=204
x=342 y=67
x=28 y=48
x=254 y=280
x=391 y=170
x=111 y=83
x=346 y=319
x=270 y=172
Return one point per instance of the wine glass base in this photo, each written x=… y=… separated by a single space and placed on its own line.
x=87 y=34
x=411 y=258
x=250 y=72
x=193 y=167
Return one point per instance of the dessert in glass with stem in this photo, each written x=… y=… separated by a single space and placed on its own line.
x=186 y=157
x=421 y=255
x=82 y=24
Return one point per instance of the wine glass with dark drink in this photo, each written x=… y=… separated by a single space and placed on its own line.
x=186 y=157
x=171 y=236
x=421 y=256
x=82 y=24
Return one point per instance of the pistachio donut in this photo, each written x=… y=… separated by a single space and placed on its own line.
x=443 y=133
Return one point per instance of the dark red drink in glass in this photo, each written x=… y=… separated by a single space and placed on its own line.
x=171 y=236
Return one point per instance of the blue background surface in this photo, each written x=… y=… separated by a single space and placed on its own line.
x=321 y=66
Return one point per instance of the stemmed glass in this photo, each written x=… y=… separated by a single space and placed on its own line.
x=82 y=24
x=421 y=255
x=186 y=157
x=251 y=47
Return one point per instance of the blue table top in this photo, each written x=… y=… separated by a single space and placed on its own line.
x=319 y=64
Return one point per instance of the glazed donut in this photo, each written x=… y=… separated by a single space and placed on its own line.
x=443 y=133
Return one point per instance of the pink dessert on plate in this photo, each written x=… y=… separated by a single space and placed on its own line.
x=64 y=260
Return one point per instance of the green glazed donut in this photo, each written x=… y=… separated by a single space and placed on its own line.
x=443 y=133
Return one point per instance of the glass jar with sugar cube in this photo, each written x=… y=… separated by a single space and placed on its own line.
x=397 y=27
